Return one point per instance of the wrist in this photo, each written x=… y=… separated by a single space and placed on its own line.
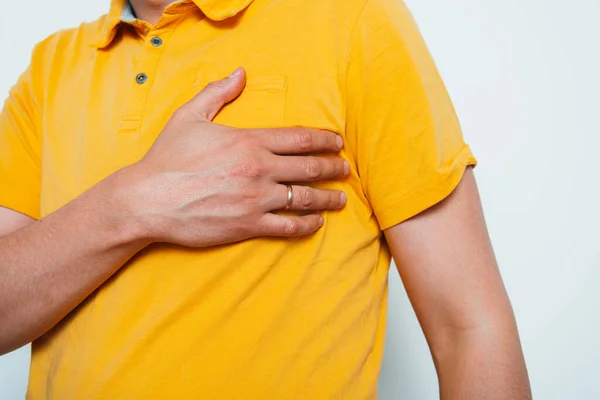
x=124 y=214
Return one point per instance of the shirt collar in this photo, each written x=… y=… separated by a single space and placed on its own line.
x=121 y=10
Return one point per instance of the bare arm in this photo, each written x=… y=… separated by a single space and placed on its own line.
x=448 y=267
x=48 y=267
x=175 y=194
x=11 y=221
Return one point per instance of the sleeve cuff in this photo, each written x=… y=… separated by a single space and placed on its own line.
x=434 y=191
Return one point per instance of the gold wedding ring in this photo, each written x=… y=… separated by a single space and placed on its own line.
x=290 y=197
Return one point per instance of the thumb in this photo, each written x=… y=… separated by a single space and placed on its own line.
x=216 y=94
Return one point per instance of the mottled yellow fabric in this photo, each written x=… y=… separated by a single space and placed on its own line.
x=266 y=318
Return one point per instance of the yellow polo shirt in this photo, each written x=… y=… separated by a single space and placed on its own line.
x=266 y=318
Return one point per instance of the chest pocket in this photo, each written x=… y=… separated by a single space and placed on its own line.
x=261 y=104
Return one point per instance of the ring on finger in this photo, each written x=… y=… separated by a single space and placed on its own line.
x=290 y=197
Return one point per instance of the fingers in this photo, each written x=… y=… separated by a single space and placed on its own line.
x=305 y=198
x=308 y=168
x=215 y=95
x=289 y=226
x=299 y=140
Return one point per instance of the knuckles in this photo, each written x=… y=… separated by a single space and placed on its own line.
x=307 y=198
x=249 y=142
x=313 y=168
x=291 y=228
x=303 y=140
x=250 y=169
x=249 y=162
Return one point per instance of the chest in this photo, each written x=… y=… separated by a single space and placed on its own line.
x=106 y=111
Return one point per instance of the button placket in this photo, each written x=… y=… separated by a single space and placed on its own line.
x=143 y=80
x=156 y=41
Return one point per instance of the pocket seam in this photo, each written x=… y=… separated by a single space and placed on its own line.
x=276 y=82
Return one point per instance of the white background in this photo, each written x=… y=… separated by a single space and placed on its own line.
x=525 y=79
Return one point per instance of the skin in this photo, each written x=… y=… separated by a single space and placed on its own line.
x=200 y=185
x=150 y=10
x=444 y=254
x=449 y=270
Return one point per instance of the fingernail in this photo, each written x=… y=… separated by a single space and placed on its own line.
x=343 y=198
x=236 y=73
x=321 y=221
x=339 y=141
x=346 y=167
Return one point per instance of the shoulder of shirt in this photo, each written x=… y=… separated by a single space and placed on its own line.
x=72 y=41
x=381 y=9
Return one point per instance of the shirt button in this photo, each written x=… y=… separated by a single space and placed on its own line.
x=156 y=41
x=141 y=78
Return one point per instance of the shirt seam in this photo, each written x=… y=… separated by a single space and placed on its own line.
x=352 y=32
x=348 y=53
x=464 y=158
x=347 y=72
x=155 y=74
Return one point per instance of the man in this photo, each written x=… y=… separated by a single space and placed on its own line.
x=163 y=241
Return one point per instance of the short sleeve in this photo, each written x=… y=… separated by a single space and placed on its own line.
x=401 y=125
x=20 y=149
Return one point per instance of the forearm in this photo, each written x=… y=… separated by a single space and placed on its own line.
x=48 y=267
x=482 y=363
x=450 y=273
